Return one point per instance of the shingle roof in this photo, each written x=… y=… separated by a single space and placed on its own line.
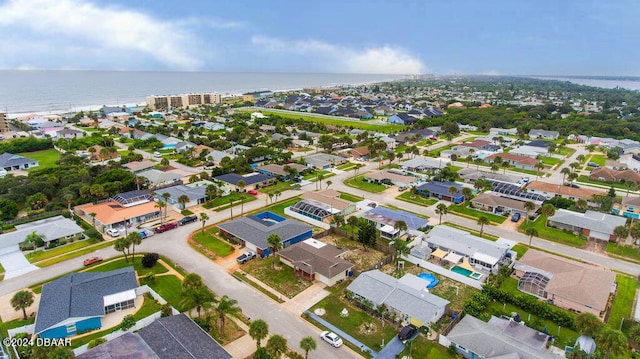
x=466 y=243
x=256 y=231
x=180 y=337
x=524 y=160
x=8 y=159
x=233 y=178
x=139 y=165
x=50 y=229
x=157 y=176
x=441 y=188
x=595 y=221
x=494 y=200
x=80 y=295
x=194 y=193
x=318 y=258
x=390 y=216
x=126 y=346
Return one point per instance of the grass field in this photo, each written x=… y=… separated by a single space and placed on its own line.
x=213 y=243
x=552 y=234
x=314 y=176
x=168 y=287
x=350 y=197
x=279 y=207
x=233 y=196
x=348 y=166
x=354 y=123
x=598 y=159
x=521 y=249
x=282 y=278
x=45 y=158
x=623 y=302
x=550 y=160
x=586 y=179
x=137 y=266
x=360 y=183
x=470 y=212
x=78 y=253
x=46 y=254
x=278 y=186
x=628 y=252
x=418 y=199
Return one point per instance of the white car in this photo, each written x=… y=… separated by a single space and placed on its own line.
x=113 y=232
x=331 y=338
x=157 y=154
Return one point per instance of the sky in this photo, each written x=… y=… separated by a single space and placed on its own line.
x=502 y=37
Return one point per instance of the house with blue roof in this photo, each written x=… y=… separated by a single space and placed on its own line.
x=77 y=302
x=440 y=190
x=386 y=218
x=402 y=119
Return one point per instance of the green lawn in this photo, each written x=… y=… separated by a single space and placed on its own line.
x=46 y=254
x=354 y=123
x=521 y=249
x=550 y=160
x=45 y=158
x=566 y=151
x=314 y=176
x=470 y=212
x=510 y=285
x=280 y=206
x=424 y=348
x=418 y=199
x=16 y=323
x=282 y=278
x=350 y=197
x=629 y=252
x=168 y=287
x=552 y=234
x=242 y=276
x=279 y=186
x=213 y=242
x=586 y=179
x=623 y=302
x=599 y=159
x=359 y=183
x=137 y=266
x=149 y=306
x=78 y=253
x=233 y=196
x=348 y=166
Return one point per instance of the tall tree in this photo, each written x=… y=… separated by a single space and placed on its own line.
x=400 y=226
x=588 y=324
x=277 y=346
x=548 y=210
x=192 y=281
x=166 y=196
x=539 y=166
x=241 y=185
x=21 y=301
x=275 y=243
x=183 y=200
x=226 y=306
x=621 y=233
x=135 y=239
x=367 y=233
x=203 y=218
x=612 y=341
x=123 y=244
x=199 y=299
x=258 y=330
x=353 y=222
x=307 y=344
x=160 y=205
x=529 y=206
x=481 y=222
x=531 y=232
x=441 y=209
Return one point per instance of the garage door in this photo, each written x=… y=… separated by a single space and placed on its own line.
x=14 y=262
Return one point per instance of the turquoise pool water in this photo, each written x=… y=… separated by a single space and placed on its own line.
x=462 y=271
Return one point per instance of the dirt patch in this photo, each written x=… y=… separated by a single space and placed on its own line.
x=368 y=328
x=596 y=246
x=7 y=313
x=364 y=259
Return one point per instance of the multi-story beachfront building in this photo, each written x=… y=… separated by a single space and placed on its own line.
x=4 y=124
x=183 y=100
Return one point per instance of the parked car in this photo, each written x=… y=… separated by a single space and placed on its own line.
x=571 y=184
x=113 y=232
x=157 y=154
x=167 y=226
x=146 y=233
x=402 y=188
x=90 y=261
x=407 y=332
x=245 y=257
x=331 y=338
x=515 y=217
x=252 y=192
x=593 y=164
x=187 y=219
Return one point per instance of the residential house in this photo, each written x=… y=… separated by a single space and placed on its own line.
x=550 y=190
x=216 y=157
x=604 y=174
x=591 y=224
x=441 y=190
x=402 y=119
x=176 y=336
x=459 y=152
x=386 y=218
x=69 y=134
x=323 y=161
x=463 y=249
x=480 y=145
x=196 y=192
x=627 y=207
x=10 y=162
x=470 y=175
x=521 y=162
x=493 y=203
x=184 y=146
x=159 y=178
x=499 y=338
x=406 y=297
x=236 y=149
x=423 y=164
x=279 y=171
x=251 y=180
x=54 y=230
x=313 y=260
x=503 y=131
x=568 y=284
x=319 y=206
x=124 y=209
x=139 y=166
x=544 y=134
x=77 y=302
x=253 y=231
x=390 y=177
x=361 y=153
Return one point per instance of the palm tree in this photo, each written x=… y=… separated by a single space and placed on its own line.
x=338 y=220
x=612 y=341
x=241 y=185
x=166 y=197
x=276 y=346
x=353 y=222
x=529 y=206
x=531 y=232
x=275 y=243
x=481 y=222
x=199 y=299
x=565 y=172
x=467 y=192
x=203 y=218
x=588 y=324
x=93 y=219
x=258 y=330
x=582 y=204
x=135 y=239
x=68 y=197
x=307 y=344
x=164 y=162
x=192 y=281
x=400 y=226
x=226 y=306
x=183 y=200
x=160 y=205
x=538 y=166
x=329 y=183
x=548 y=210
x=22 y=300
x=441 y=209
x=211 y=191
x=452 y=190
x=621 y=232
x=580 y=158
x=504 y=166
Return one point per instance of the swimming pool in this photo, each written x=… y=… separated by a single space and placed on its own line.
x=463 y=271
x=431 y=280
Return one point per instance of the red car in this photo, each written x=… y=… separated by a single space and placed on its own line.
x=90 y=261
x=253 y=192
x=167 y=226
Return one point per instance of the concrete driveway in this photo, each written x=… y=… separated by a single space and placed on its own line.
x=14 y=262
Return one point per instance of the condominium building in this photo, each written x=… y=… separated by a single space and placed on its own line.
x=4 y=124
x=183 y=100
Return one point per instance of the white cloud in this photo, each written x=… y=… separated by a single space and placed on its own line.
x=334 y=58
x=65 y=29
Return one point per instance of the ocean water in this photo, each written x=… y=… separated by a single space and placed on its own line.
x=60 y=91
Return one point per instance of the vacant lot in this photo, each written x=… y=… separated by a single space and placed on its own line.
x=45 y=158
x=281 y=278
x=363 y=259
x=360 y=183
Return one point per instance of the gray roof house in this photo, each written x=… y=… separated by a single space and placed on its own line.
x=50 y=229
x=544 y=134
x=253 y=231
x=196 y=195
x=324 y=161
x=422 y=164
x=314 y=260
x=216 y=156
x=166 y=338
x=407 y=296
x=592 y=224
x=158 y=178
x=12 y=162
x=499 y=338
x=78 y=301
